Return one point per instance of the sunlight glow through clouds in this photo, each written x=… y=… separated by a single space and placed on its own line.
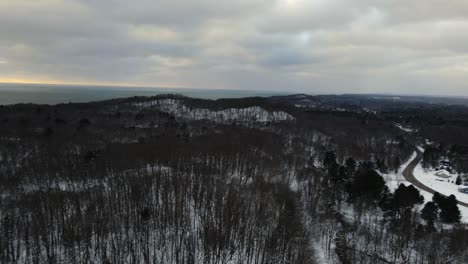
x=301 y=5
x=291 y=3
x=311 y=3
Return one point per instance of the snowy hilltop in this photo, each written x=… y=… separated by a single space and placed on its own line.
x=243 y=115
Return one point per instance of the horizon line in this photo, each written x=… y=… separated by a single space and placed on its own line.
x=228 y=89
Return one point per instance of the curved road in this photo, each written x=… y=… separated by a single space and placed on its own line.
x=409 y=176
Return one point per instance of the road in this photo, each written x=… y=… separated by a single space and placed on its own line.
x=409 y=176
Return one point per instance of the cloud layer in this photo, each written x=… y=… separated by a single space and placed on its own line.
x=314 y=46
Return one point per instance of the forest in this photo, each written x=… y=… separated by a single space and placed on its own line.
x=173 y=179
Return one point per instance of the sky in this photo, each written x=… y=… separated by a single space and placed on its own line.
x=313 y=46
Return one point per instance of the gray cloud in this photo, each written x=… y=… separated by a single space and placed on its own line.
x=314 y=46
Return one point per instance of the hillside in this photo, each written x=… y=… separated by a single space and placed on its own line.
x=284 y=179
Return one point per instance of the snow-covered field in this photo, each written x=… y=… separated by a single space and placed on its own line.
x=445 y=186
x=393 y=180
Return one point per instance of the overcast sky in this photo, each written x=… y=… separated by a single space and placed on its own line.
x=314 y=46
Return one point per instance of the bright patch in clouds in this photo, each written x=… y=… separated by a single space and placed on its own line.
x=291 y=3
x=316 y=46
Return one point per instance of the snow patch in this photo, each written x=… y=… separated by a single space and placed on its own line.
x=320 y=253
x=406 y=129
x=421 y=149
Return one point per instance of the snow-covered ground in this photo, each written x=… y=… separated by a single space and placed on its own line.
x=428 y=142
x=406 y=129
x=445 y=186
x=393 y=180
x=320 y=253
x=421 y=149
x=249 y=114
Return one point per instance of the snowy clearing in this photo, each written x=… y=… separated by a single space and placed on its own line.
x=445 y=186
x=393 y=180
x=406 y=129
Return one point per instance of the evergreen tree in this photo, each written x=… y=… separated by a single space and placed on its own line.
x=431 y=157
x=381 y=165
x=449 y=211
x=329 y=160
x=458 y=181
x=406 y=197
x=367 y=186
x=429 y=212
x=342 y=174
x=351 y=165
x=438 y=199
